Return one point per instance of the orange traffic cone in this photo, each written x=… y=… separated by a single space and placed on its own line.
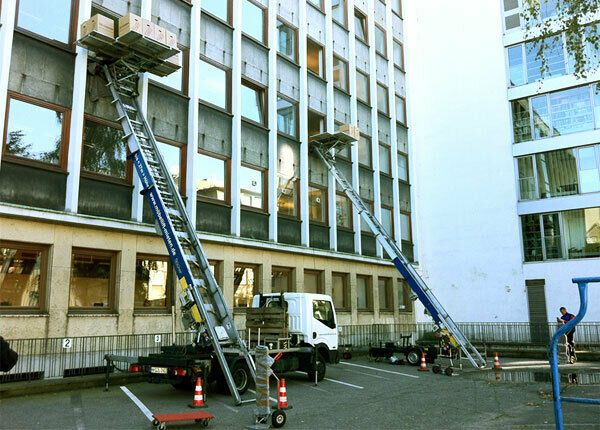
x=198 y=395
x=497 y=362
x=282 y=402
x=423 y=367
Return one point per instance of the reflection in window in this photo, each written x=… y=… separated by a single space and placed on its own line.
x=104 y=150
x=213 y=84
x=589 y=172
x=286 y=41
x=21 y=276
x=557 y=173
x=362 y=87
x=364 y=150
x=51 y=22
x=515 y=65
x=382 y=99
x=553 y=53
x=582 y=232
x=253 y=20
x=314 y=58
x=339 y=290
x=387 y=220
x=527 y=188
x=541 y=117
x=317 y=198
x=312 y=281
x=218 y=8
x=251 y=187
x=340 y=73
x=173 y=80
x=281 y=280
x=552 y=236
x=521 y=120
x=532 y=240
x=91 y=280
x=152 y=276
x=338 y=11
x=252 y=103
x=571 y=111
x=245 y=285
x=323 y=312
x=172 y=157
x=34 y=132
x=286 y=116
x=363 y=290
x=211 y=181
x=287 y=177
x=360 y=26
x=343 y=211
x=380 y=41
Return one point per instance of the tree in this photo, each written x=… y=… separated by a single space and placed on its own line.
x=547 y=20
x=15 y=144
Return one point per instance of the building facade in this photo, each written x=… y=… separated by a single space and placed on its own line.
x=79 y=254
x=507 y=171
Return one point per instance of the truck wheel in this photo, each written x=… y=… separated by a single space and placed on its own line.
x=241 y=376
x=278 y=419
x=413 y=356
x=320 y=370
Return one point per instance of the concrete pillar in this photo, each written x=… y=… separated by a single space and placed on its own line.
x=236 y=121
x=303 y=117
x=330 y=126
x=272 y=124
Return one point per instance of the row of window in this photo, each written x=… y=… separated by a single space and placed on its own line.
x=93 y=280
x=559 y=173
x=555 y=114
x=561 y=235
x=525 y=66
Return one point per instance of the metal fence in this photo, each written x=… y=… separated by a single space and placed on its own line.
x=66 y=357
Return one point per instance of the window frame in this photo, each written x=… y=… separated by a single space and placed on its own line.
x=64 y=137
x=346 y=90
x=325 y=193
x=170 y=286
x=112 y=293
x=264 y=109
x=401 y=67
x=228 y=90
x=368 y=293
x=368 y=101
x=323 y=73
x=227 y=160
x=320 y=275
x=346 y=302
x=256 y=288
x=345 y=23
x=296 y=41
x=351 y=215
x=364 y=17
x=290 y=276
x=128 y=180
x=265 y=28
x=229 y=12
x=296 y=106
x=41 y=308
x=387 y=91
x=182 y=162
x=384 y=54
x=264 y=188
x=73 y=27
x=405 y=290
x=388 y=291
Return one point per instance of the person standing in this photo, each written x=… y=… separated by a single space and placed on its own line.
x=565 y=318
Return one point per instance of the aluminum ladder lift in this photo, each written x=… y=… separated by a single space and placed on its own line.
x=202 y=301
x=325 y=146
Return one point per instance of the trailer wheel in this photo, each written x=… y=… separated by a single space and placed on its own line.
x=278 y=419
x=437 y=369
x=241 y=376
x=162 y=426
x=449 y=371
x=155 y=422
x=413 y=356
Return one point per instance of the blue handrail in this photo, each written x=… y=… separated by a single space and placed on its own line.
x=582 y=285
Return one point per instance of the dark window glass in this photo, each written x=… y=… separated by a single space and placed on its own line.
x=339 y=290
x=281 y=280
x=363 y=292
x=521 y=120
x=385 y=293
x=323 y=312
x=343 y=210
x=312 y=281
x=532 y=237
x=314 y=58
x=104 y=150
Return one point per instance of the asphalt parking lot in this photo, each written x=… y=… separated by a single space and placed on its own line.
x=356 y=394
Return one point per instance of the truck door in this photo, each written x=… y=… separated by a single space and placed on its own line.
x=324 y=324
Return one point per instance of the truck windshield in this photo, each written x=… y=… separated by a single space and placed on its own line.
x=323 y=312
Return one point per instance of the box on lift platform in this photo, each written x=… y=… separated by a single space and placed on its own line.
x=99 y=25
x=350 y=130
x=131 y=28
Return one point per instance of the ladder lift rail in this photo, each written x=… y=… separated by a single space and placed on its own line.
x=412 y=277
x=185 y=251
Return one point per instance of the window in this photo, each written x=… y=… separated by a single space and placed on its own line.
x=405 y=227
x=317 y=204
x=515 y=65
x=402 y=138
x=364 y=227
x=104 y=151
x=521 y=120
x=385 y=162
x=364 y=151
x=382 y=99
x=316 y=123
x=399 y=54
x=171 y=155
x=362 y=87
x=287 y=177
x=212 y=180
x=339 y=291
x=214 y=87
x=582 y=232
x=315 y=58
x=286 y=41
x=404 y=191
x=554 y=54
x=363 y=292
x=401 y=110
x=557 y=173
x=527 y=188
x=387 y=220
x=253 y=18
x=552 y=236
x=287 y=115
x=589 y=172
x=338 y=11
x=35 y=132
x=402 y=167
x=50 y=22
x=317 y=3
x=281 y=280
x=23 y=270
x=397 y=7
x=541 y=118
x=380 y=42
x=253 y=103
x=404 y=296
x=218 y=8
x=340 y=74
x=360 y=26
x=343 y=211
x=245 y=285
x=173 y=80
x=251 y=187
x=532 y=240
x=385 y=293
x=571 y=111
x=153 y=283
x=313 y=281
x=323 y=312
x=92 y=280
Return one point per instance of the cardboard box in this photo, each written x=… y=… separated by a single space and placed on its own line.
x=149 y=28
x=160 y=35
x=100 y=25
x=171 y=39
x=350 y=130
x=130 y=27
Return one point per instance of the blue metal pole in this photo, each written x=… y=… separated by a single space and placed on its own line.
x=582 y=284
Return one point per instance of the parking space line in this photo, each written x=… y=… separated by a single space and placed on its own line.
x=231 y=408
x=138 y=403
x=366 y=374
x=380 y=370
x=320 y=389
x=344 y=383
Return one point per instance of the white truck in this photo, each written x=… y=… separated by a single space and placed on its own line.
x=300 y=328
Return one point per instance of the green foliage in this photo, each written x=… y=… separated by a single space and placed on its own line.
x=547 y=20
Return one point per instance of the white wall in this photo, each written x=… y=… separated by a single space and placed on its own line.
x=467 y=224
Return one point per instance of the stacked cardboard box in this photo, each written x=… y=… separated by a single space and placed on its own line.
x=99 y=25
x=133 y=27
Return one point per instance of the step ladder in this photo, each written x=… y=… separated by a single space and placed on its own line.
x=325 y=146
x=202 y=301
